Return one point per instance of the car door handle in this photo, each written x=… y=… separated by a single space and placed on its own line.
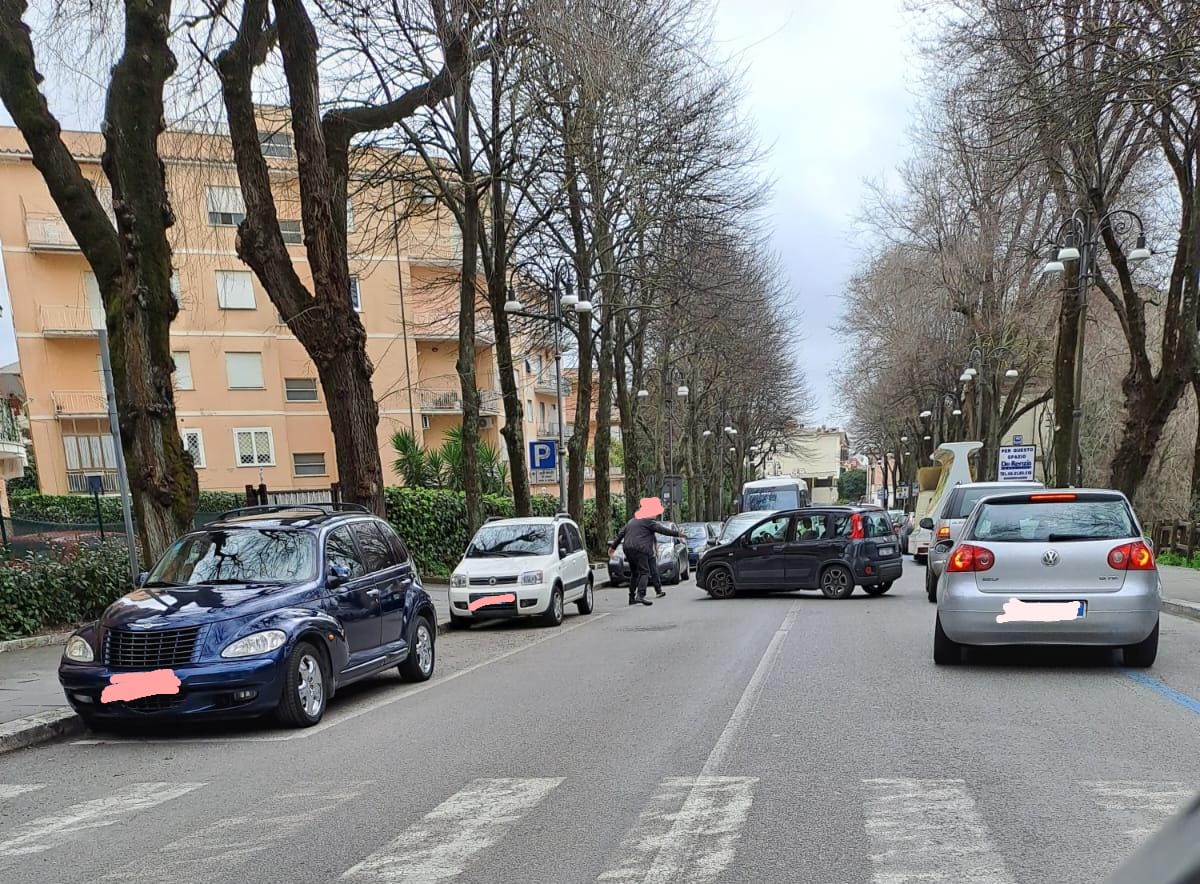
x=375 y=592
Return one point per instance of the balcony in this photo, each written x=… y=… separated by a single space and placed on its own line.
x=60 y=321
x=13 y=456
x=444 y=327
x=449 y=401
x=48 y=233
x=77 y=481
x=80 y=403
x=549 y=430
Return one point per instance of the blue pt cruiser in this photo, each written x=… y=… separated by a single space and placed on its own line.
x=266 y=610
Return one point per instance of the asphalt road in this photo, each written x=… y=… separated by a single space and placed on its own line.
x=763 y=739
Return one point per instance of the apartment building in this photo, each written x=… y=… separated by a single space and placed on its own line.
x=250 y=407
x=814 y=454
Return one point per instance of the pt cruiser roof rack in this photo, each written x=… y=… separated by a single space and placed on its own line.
x=326 y=509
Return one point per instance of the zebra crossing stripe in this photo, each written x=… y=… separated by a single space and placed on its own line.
x=687 y=833
x=12 y=790
x=929 y=831
x=53 y=830
x=443 y=843
x=1142 y=807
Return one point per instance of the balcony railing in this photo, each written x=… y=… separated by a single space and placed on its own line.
x=444 y=327
x=77 y=481
x=449 y=401
x=48 y=233
x=80 y=403
x=58 y=320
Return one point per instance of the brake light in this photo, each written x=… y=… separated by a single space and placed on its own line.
x=1134 y=556
x=1052 y=498
x=856 y=527
x=970 y=558
x=943 y=532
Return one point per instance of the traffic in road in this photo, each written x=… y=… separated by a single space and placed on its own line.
x=773 y=738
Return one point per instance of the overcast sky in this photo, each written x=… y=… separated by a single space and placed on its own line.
x=831 y=90
x=832 y=87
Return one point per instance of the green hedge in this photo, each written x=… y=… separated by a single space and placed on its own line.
x=71 y=584
x=80 y=509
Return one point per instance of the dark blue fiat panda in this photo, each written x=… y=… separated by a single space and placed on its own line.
x=265 y=610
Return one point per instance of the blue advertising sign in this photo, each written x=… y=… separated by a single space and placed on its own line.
x=543 y=455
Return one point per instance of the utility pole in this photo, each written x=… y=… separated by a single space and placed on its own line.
x=114 y=426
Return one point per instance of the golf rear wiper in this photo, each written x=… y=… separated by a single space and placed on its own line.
x=1062 y=538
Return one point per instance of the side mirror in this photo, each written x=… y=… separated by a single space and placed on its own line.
x=338 y=574
x=927 y=523
x=140 y=580
x=562 y=553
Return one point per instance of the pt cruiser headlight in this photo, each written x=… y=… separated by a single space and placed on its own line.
x=79 y=650
x=256 y=643
x=459 y=580
x=531 y=578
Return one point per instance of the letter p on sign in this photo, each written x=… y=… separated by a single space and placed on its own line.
x=542 y=455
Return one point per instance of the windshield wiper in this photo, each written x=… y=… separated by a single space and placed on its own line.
x=154 y=584
x=229 y=581
x=1062 y=538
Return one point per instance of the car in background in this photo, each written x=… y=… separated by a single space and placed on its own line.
x=906 y=529
x=698 y=536
x=671 y=555
x=897 y=517
x=522 y=568
x=263 y=610
x=946 y=524
x=832 y=549
x=1060 y=567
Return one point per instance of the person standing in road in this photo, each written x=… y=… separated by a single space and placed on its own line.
x=639 y=538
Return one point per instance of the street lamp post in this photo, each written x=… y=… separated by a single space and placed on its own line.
x=1077 y=240
x=983 y=359
x=513 y=307
x=669 y=403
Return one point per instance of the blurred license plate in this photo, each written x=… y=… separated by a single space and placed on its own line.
x=886 y=550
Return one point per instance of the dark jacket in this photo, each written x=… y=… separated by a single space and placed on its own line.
x=638 y=535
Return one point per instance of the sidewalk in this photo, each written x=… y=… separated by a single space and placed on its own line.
x=1181 y=591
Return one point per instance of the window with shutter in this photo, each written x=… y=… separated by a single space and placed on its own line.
x=235 y=290
x=300 y=389
x=244 y=371
x=292 y=235
x=225 y=206
x=308 y=464
x=183 y=370
x=275 y=144
x=355 y=297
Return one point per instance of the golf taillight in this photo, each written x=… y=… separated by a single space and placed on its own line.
x=1135 y=556
x=970 y=558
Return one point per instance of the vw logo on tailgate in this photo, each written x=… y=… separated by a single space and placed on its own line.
x=1050 y=558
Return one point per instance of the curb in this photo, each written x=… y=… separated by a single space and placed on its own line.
x=40 y=728
x=34 y=641
x=1180 y=608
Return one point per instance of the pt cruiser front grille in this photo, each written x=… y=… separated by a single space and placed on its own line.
x=157 y=649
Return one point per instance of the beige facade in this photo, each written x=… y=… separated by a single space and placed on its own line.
x=249 y=406
x=814 y=454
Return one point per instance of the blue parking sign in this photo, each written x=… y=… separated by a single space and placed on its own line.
x=543 y=455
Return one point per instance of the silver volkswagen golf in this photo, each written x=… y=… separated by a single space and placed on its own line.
x=1063 y=567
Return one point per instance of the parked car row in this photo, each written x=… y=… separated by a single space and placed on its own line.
x=270 y=610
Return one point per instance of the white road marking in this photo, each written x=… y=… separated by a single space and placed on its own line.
x=204 y=853
x=699 y=844
x=1141 y=806
x=442 y=844
x=12 y=790
x=929 y=830
x=52 y=831
x=334 y=719
x=687 y=833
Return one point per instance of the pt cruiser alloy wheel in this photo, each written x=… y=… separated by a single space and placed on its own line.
x=304 y=692
x=419 y=665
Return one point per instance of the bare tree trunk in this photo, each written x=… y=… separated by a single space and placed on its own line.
x=468 y=296
x=133 y=263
